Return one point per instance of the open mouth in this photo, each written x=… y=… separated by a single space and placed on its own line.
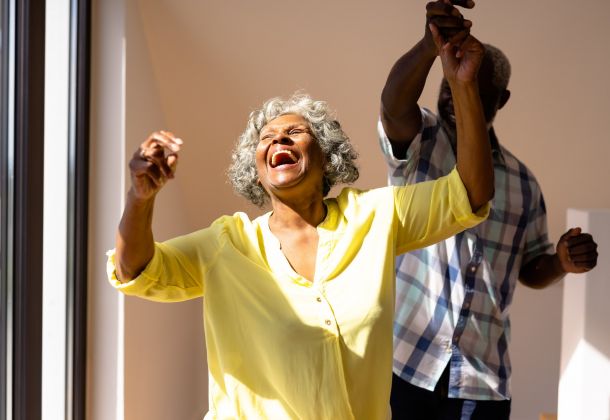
x=282 y=157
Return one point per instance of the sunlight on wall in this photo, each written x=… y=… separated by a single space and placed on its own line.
x=584 y=391
x=584 y=384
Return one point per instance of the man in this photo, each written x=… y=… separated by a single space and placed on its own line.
x=451 y=328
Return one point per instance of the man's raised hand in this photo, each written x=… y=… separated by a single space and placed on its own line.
x=448 y=19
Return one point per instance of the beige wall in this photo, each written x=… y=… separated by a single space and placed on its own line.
x=198 y=68
x=165 y=369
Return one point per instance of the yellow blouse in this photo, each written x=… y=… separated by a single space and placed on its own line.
x=281 y=347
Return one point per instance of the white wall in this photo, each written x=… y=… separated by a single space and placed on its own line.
x=584 y=386
x=198 y=68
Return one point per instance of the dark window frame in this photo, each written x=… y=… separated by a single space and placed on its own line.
x=28 y=208
x=78 y=207
x=5 y=198
x=21 y=186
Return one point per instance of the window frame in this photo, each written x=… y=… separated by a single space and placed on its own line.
x=21 y=213
x=78 y=207
x=28 y=191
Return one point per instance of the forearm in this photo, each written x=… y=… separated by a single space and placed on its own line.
x=542 y=271
x=474 y=162
x=135 y=245
x=400 y=114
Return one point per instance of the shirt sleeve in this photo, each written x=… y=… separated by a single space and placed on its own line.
x=431 y=211
x=399 y=169
x=176 y=271
x=536 y=233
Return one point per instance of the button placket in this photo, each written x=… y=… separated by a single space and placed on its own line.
x=326 y=314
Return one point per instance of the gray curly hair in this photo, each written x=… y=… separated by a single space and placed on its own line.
x=340 y=155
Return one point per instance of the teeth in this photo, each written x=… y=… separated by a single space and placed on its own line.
x=285 y=152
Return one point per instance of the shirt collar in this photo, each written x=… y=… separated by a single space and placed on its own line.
x=496 y=149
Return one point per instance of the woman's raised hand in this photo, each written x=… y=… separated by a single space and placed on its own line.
x=461 y=55
x=154 y=163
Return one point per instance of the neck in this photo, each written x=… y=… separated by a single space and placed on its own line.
x=296 y=214
x=452 y=133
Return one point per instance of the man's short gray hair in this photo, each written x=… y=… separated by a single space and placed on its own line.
x=339 y=153
x=501 y=67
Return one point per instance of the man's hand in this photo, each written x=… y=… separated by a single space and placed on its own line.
x=576 y=251
x=448 y=19
x=153 y=164
x=461 y=56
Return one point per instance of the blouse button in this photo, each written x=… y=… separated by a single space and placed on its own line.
x=319 y=299
x=328 y=322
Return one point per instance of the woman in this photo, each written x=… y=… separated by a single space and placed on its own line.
x=299 y=302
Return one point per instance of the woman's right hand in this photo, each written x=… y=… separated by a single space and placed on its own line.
x=153 y=164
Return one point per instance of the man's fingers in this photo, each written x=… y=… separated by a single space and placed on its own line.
x=584 y=259
x=436 y=35
x=577 y=239
x=582 y=250
x=468 y=4
x=447 y=7
x=586 y=265
x=442 y=9
x=444 y=22
x=572 y=232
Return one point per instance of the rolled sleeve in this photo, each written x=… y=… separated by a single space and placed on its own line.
x=460 y=204
x=166 y=278
x=431 y=211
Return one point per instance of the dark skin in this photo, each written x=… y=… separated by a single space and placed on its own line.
x=295 y=191
x=576 y=252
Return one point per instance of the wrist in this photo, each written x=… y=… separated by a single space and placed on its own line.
x=464 y=85
x=558 y=266
x=139 y=201
x=427 y=49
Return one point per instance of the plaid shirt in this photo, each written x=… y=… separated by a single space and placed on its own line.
x=452 y=298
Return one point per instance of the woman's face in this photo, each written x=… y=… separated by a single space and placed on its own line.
x=288 y=157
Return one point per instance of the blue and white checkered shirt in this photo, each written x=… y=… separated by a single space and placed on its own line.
x=452 y=298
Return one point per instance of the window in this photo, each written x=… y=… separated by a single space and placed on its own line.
x=42 y=335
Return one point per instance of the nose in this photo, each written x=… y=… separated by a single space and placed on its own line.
x=281 y=138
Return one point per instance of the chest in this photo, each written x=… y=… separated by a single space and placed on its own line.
x=300 y=249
